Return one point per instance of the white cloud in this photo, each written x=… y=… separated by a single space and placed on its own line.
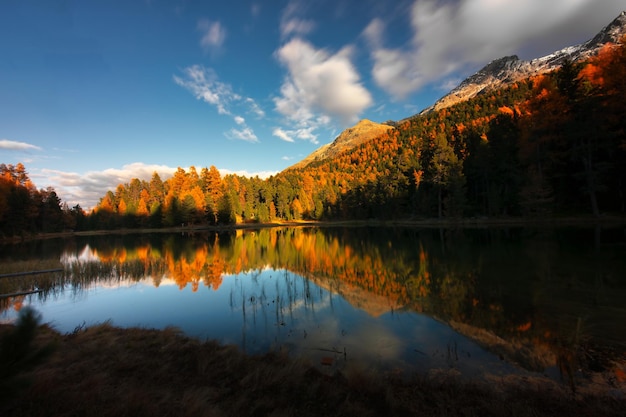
x=450 y=36
x=448 y=84
x=303 y=133
x=86 y=189
x=213 y=34
x=17 y=146
x=318 y=87
x=254 y=107
x=306 y=133
x=281 y=134
x=245 y=134
x=244 y=173
x=292 y=24
x=295 y=26
x=204 y=84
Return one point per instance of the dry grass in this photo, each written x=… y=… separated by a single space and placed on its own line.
x=46 y=282
x=107 y=371
x=10 y=266
x=80 y=275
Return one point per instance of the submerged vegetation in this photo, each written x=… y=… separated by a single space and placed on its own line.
x=536 y=298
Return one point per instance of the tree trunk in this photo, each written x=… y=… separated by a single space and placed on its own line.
x=439 y=201
x=591 y=187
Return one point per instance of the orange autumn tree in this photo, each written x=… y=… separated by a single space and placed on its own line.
x=24 y=209
x=548 y=144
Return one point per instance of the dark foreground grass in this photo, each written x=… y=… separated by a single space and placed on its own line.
x=107 y=371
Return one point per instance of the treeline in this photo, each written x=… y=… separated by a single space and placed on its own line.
x=550 y=145
x=25 y=209
x=189 y=198
x=554 y=144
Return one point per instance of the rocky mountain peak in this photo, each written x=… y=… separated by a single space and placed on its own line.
x=496 y=74
x=611 y=33
x=509 y=69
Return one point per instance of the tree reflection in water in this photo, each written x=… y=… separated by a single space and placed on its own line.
x=546 y=299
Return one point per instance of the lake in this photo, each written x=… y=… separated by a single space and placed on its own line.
x=473 y=302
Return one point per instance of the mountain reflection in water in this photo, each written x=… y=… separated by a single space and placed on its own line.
x=546 y=300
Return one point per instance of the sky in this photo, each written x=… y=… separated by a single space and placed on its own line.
x=95 y=93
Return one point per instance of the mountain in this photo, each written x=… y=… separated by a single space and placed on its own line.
x=507 y=70
x=497 y=74
x=350 y=138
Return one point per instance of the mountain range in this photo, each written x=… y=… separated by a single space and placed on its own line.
x=497 y=74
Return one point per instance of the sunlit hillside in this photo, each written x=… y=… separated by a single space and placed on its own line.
x=548 y=145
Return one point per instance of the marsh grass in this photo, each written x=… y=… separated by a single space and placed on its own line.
x=26 y=281
x=78 y=275
x=46 y=282
x=107 y=371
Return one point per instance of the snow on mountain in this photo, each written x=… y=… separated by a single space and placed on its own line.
x=496 y=74
x=507 y=70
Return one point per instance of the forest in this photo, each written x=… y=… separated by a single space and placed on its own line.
x=550 y=145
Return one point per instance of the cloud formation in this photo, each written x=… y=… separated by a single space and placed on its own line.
x=243 y=173
x=86 y=189
x=204 y=84
x=246 y=134
x=306 y=133
x=452 y=35
x=255 y=108
x=318 y=87
x=292 y=24
x=213 y=34
x=17 y=146
x=282 y=134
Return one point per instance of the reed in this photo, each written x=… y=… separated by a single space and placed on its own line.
x=78 y=276
x=107 y=371
x=30 y=282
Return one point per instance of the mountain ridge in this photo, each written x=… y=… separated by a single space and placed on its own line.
x=509 y=69
x=496 y=74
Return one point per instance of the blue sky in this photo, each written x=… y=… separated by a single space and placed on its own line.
x=93 y=93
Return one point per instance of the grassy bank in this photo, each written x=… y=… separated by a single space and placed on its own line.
x=107 y=371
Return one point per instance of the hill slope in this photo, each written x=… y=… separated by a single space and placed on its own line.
x=544 y=146
x=497 y=74
x=350 y=138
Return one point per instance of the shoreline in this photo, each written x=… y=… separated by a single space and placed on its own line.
x=462 y=223
x=109 y=371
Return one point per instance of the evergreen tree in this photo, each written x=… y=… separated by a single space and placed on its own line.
x=19 y=354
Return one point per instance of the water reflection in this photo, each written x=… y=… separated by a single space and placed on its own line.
x=542 y=299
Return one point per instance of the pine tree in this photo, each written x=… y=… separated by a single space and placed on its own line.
x=19 y=354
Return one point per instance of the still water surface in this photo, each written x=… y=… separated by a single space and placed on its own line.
x=476 y=301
